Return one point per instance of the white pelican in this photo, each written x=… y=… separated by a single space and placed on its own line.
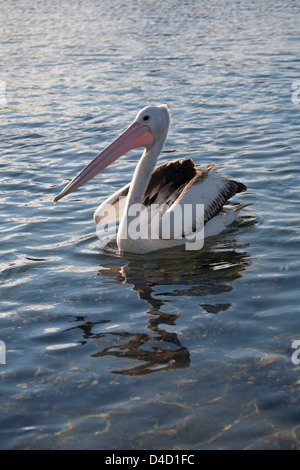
x=166 y=188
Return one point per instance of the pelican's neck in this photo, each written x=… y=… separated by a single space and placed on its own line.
x=141 y=177
x=138 y=186
x=144 y=169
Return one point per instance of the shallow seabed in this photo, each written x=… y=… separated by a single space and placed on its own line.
x=172 y=350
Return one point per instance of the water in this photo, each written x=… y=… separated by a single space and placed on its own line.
x=177 y=350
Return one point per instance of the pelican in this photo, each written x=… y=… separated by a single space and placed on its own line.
x=165 y=189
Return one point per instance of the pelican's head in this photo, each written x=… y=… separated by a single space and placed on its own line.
x=157 y=118
x=149 y=129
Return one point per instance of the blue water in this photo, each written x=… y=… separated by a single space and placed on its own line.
x=172 y=350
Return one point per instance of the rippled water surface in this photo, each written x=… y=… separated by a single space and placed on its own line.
x=173 y=350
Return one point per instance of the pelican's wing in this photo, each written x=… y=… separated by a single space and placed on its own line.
x=172 y=186
x=166 y=183
x=208 y=188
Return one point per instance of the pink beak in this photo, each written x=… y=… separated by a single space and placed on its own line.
x=137 y=135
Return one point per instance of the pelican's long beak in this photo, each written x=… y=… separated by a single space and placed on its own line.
x=137 y=135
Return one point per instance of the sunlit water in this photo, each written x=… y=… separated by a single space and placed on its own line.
x=173 y=350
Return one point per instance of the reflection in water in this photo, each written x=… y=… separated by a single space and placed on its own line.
x=206 y=273
x=160 y=357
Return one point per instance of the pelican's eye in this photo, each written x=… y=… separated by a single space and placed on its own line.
x=146 y=118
